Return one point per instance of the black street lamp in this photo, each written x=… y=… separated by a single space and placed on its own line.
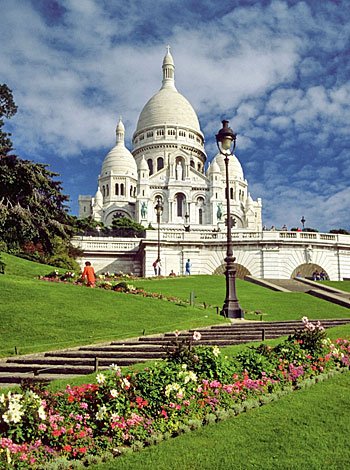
x=159 y=210
x=226 y=139
x=186 y=224
x=303 y=221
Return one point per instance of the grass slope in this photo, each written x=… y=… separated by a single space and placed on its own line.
x=38 y=316
x=307 y=429
x=274 y=305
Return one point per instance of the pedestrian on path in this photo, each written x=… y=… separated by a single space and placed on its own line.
x=188 y=266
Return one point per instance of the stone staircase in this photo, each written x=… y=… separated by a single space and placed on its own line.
x=68 y=363
x=290 y=284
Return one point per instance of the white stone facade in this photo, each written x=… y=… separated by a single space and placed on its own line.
x=266 y=254
x=168 y=161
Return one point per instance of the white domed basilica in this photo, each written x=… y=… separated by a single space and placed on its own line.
x=168 y=162
x=167 y=170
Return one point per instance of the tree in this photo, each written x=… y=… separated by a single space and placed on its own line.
x=341 y=231
x=125 y=227
x=32 y=206
x=7 y=109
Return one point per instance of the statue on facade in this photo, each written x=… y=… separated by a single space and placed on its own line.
x=219 y=211
x=143 y=210
x=179 y=171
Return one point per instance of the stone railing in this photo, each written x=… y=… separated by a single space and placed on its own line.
x=132 y=244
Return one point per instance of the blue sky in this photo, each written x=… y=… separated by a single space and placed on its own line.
x=278 y=70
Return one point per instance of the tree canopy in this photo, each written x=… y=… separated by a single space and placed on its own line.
x=32 y=207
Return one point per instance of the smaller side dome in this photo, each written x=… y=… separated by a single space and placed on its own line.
x=214 y=168
x=98 y=197
x=234 y=166
x=120 y=160
x=143 y=164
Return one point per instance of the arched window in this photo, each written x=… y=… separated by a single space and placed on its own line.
x=117 y=189
x=160 y=163
x=180 y=199
x=135 y=191
x=104 y=191
x=199 y=167
x=130 y=190
x=107 y=189
x=122 y=192
x=150 y=165
x=231 y=193
x=192 y=163
x=200 y=216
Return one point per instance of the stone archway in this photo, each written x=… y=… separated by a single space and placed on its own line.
x=307 y=269
x=241 y=271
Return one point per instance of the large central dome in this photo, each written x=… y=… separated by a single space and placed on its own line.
x=168 y=107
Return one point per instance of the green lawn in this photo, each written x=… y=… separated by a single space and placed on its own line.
x=274 y=305
x=342 y=285
x=38 y=315
x=307 y=429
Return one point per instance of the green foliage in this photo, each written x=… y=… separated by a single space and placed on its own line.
x=2 y=267
x=341 y=231
x=255 y=363
x=32 y=206
x=311 y=338
x=125 y=227
x=8 y=109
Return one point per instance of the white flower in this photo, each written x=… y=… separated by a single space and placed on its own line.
x=305 y=320
x=115 y=367
x=216 y=351
x=126 y=383
x=41 y=412
x=100 y=378
x=101 y=413
x=114 y=393
x=176 y=333
x=197 y=336
x=2 y=398
x=184 y=366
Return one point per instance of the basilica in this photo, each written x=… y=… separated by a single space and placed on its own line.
x=168 y=164
x=167 y=182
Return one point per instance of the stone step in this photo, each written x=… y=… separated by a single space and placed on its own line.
x=79 y=361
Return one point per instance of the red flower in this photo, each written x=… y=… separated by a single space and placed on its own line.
x=67 y=448
x=82 y=450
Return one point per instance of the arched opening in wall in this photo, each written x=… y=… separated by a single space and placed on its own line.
x=150 y=165
x=107 y=190
x=192 y=164
x=231 y=193
x=117 y=189
x=122 y=190
x=241 y=271
x=160 y=163
x=200 y=205
x=104 y=191
x=307 y=270
x=199 y=167
x=180 y=204
x=131 y=189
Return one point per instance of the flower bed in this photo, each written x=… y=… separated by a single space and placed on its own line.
x=195 y=385
x=109 y=283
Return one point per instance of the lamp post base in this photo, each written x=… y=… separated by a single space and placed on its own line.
x=231 y=307
x=232 y=310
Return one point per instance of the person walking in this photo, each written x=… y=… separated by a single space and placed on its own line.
x=89 y=274
x=188 y=266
